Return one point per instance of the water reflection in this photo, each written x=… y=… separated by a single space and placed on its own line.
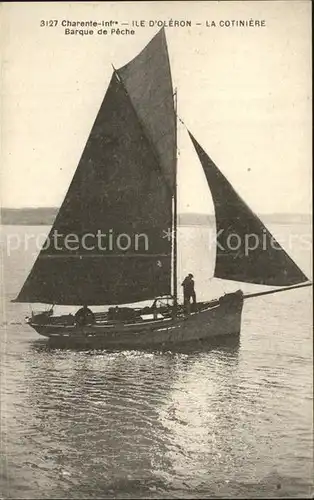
x=226 y=343
x=114 y=423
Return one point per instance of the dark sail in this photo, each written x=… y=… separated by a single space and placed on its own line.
x=238 y=228
x=147 y=79
x=117 y=189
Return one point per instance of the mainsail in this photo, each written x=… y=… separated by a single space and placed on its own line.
x=238 y=228
x=122 y=188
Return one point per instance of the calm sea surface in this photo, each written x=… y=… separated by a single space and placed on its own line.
x=234 y=420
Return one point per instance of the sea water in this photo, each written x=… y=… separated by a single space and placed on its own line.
x=234 y=420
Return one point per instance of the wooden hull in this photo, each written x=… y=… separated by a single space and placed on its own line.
x=220 y=320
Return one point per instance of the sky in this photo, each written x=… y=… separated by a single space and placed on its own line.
x=245 y=94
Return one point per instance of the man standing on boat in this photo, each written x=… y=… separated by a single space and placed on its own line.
x=189 y=292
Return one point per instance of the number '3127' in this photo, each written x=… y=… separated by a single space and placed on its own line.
x=50 y=22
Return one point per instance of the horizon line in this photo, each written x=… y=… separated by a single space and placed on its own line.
x=179 y=213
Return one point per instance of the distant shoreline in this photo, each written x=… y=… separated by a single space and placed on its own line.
x=45 y=216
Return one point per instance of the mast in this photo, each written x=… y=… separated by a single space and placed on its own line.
x=175 y=210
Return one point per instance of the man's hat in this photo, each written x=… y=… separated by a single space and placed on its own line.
x=191 y=275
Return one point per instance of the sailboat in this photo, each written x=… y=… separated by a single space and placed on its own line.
x=126 y=183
